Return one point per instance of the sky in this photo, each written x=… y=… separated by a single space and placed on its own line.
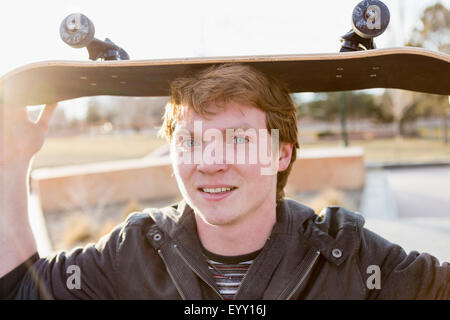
x=149 y=29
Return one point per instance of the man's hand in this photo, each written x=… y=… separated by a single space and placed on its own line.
x=20 y=140
x=21 y=137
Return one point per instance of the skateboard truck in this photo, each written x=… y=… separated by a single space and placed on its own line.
x=78 y=31
x=370 y=18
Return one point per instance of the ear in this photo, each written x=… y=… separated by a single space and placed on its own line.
x=285 y=155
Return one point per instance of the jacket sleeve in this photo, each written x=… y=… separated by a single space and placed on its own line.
x=403 y=276
x=83 y=273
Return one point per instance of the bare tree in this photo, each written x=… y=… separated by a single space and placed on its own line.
x=434 y=34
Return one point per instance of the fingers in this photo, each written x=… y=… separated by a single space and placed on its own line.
x=46 y=115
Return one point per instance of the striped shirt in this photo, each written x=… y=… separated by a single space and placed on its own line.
x=229 y=271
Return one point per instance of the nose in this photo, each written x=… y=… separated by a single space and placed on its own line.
x=212 y=168
x=212 y=160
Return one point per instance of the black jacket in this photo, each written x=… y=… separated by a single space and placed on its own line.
x=156 y=254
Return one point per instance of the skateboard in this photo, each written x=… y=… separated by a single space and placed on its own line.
x=402 y=68
x=358 y=65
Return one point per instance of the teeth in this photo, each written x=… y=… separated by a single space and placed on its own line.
x=216 y=190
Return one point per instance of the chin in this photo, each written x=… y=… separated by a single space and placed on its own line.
x=216 y=217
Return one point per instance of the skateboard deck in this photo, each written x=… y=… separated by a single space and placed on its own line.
x=406 y=68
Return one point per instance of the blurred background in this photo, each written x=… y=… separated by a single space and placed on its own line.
x=102 y=159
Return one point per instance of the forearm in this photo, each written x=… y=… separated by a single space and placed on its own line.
x=17 y=241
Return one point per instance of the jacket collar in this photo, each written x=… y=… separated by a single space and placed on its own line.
x=335 y=227
x=179 y=219
x=335 y=232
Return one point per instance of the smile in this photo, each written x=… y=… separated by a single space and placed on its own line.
x=217 y=190
x=216 y=193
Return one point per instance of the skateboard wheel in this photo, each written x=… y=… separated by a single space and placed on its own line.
x=77 y=30
x=370 y=18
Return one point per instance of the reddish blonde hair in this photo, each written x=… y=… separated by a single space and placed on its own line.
x=238 y=83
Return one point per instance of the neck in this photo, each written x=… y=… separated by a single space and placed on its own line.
x=240 y=237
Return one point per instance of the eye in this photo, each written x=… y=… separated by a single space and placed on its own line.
x=240 y=139
x=188 y=142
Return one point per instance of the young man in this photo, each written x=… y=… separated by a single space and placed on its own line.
x=233 y=137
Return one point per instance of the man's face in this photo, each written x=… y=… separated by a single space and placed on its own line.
x=220 y=166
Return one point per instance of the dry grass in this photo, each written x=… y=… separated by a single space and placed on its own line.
x=78 y=230
x=406 y=150
x=74 y=228
x=395 y=150
x=329 y=197
x=80 y=227
x=317 y=200
x=86 y=149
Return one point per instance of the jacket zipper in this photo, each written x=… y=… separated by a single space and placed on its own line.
x=302 y=279
x=172 y=277
x=197 y=272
